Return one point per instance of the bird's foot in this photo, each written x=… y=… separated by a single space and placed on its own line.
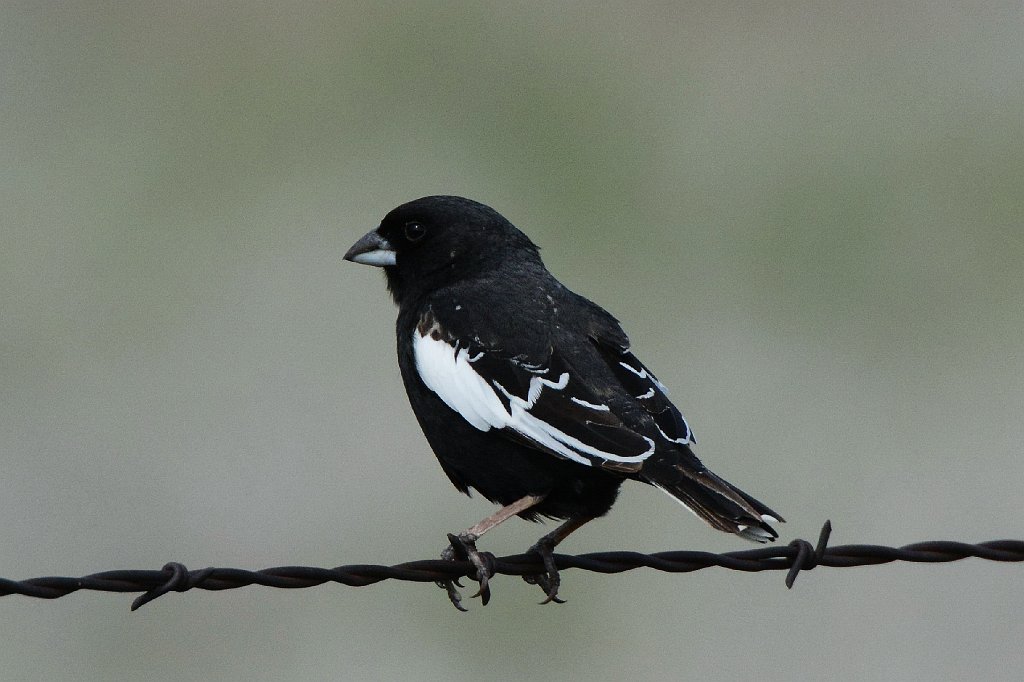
x=462 y=547
x=549 y=580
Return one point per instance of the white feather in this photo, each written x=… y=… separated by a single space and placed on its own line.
x=681 y=441
x=524 y=422
x=537 y=385
x=639 y=372
x=449 y=374
x=591 y=406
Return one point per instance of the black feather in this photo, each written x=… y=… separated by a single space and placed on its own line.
x=574 y=412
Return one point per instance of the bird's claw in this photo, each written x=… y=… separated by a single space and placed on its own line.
x=462 y=547
x=549 y=580
x=453 y=594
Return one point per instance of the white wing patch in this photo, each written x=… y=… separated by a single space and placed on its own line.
x=449 y=374
x=447 y=371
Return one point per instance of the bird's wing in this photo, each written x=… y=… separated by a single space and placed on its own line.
x=534 y=401
x=645 y=388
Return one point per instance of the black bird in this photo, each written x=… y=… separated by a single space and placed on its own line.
x=526 y=391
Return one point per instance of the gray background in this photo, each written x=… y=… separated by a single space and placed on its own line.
x=808 y=215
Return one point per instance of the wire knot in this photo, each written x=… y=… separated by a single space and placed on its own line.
x=807 y=557
x=180 y=579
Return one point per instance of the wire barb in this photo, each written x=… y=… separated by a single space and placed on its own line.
x=180 y=580
x=798 y=556
x=808 y=557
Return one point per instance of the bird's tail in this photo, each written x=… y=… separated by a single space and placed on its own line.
x=721 y=504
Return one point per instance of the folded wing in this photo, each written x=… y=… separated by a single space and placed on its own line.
x=540 y=404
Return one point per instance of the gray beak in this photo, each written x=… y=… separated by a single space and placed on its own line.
x=372 y=249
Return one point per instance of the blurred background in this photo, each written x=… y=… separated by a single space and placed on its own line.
x=809 y=216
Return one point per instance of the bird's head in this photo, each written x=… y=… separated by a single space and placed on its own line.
x=435 y=241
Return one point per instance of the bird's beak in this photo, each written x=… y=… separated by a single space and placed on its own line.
x=372 y=249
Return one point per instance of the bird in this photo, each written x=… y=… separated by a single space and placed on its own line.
x=527 y=392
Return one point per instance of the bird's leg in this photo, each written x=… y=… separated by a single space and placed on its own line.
x=550 y=580
x=463 y=546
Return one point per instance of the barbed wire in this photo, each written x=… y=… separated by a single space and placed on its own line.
x=797 y=556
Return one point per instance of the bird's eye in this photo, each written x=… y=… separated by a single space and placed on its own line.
x=415 y=231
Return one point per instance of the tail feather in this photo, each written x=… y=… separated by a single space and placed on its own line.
x=722 y=505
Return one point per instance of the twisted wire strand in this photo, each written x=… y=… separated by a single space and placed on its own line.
x=797 y=556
